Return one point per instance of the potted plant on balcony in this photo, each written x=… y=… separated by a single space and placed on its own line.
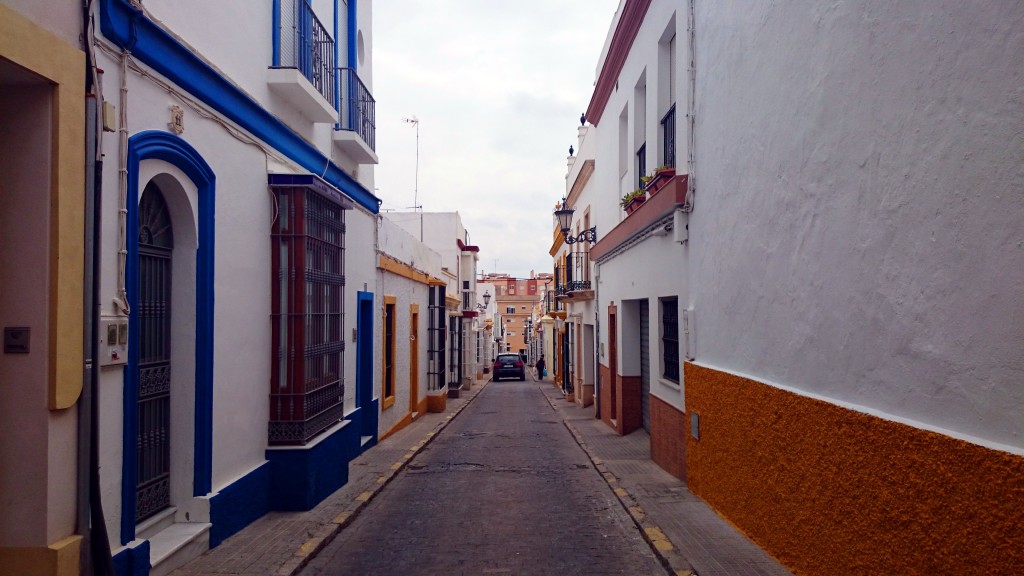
x=632 y=200
x=657 y=179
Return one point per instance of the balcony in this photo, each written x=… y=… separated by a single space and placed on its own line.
x=303 y=70
x=356 y=133
x=573 y=279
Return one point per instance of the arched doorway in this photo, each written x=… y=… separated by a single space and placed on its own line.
x=156 y=244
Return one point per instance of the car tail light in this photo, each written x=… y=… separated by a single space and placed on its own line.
x=519 y=364
x=497 y=364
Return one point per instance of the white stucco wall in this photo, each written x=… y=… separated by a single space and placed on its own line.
x=244 y=213
x=653 y=269
x=360 y=276
x=608 y=182
x=857 y=230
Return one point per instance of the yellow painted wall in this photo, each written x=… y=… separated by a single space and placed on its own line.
x=29 y=46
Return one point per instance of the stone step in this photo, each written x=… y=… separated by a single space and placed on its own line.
x=175 y=545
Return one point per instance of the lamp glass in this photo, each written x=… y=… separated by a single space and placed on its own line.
x=487 y=298
x=564 y=218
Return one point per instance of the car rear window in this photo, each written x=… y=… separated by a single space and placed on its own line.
x=509 y=358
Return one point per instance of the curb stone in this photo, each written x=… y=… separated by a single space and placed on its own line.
x=667 y=553
x=328 y=532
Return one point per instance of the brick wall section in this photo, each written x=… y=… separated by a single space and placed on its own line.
x=631 y=416
x=668 y=437
x=606 y=396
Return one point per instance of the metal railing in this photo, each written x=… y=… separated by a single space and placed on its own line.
x=358 y=108
x=574 y=276
x=307 y=46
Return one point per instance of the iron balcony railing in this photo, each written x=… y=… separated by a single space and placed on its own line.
x=574 y=276
x=358 y=108
x=306 y=46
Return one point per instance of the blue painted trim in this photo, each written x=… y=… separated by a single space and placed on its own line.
x=126 y=27
x=300 y=478
x=353 y=33
x=276 y=34
x=239 y=504
x=170 y=148
x=133 y=561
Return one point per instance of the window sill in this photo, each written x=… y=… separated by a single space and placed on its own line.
x=670 y=384
x=387 y=402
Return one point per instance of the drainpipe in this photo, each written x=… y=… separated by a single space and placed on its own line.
x=90 y=523
x=691 y=105
x=95 y=558
x=597 y=343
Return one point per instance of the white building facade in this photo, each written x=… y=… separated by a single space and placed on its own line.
x=833 y=267
x=240 y=158
x=444 y=233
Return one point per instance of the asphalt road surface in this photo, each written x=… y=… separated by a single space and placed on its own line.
x=503 y=489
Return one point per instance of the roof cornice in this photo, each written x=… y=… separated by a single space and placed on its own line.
x=622 y=40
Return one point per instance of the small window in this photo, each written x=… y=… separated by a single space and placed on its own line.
x=670 y=339
x=510 y=310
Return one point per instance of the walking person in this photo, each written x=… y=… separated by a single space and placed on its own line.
x=540 y=367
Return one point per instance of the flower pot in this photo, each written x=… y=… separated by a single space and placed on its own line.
x=634 y=204
x=659 y=180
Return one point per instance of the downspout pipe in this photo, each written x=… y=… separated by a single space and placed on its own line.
x=95 y=557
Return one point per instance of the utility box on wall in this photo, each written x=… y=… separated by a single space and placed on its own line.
x=113 y=341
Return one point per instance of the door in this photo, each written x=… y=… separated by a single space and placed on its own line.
x=153 y=443
x=645 y=364
x=414 y=359
x=613 y=364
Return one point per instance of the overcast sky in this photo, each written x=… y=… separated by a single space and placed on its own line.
x=498 y=87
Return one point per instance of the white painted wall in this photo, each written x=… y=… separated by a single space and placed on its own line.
x=857 y=230
x=399 y=244
x=360 y=275
x=663 y=16
x=655 y=267
x=652 y=269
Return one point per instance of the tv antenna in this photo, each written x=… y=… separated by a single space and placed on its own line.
x=416 y=183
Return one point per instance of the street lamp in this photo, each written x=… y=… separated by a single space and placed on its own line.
x=487 y=301
x=564 y=216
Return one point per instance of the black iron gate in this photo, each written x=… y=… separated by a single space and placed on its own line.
x=153 y=490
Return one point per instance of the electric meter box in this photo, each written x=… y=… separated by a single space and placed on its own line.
x=113 y=340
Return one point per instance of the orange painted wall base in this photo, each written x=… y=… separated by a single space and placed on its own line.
x=832 y=491
x=405 y=421
x=437 y=402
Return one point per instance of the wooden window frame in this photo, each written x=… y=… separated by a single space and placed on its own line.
x=389 y=351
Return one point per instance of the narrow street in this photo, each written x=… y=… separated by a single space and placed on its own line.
x=504 y=489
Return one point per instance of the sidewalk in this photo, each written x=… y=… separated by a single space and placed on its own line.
x=281 y=543
x=687 y=534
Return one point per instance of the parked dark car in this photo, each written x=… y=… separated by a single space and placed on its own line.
x=509 y=365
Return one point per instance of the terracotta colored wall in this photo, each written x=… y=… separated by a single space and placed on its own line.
x=668 y=438
x=631 y=416
x=827 y=490
x=606 y=395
